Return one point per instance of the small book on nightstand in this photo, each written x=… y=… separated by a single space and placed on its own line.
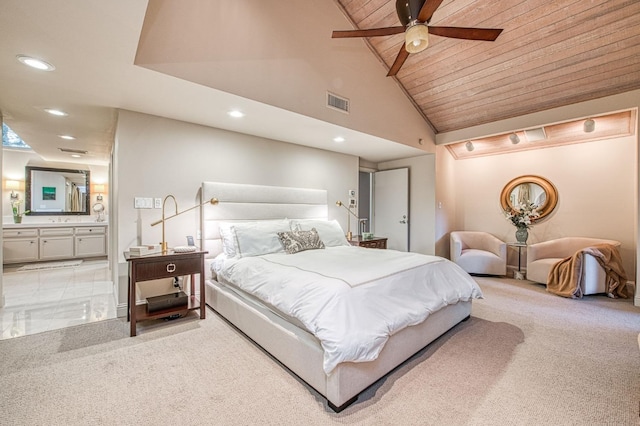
x=145 y=250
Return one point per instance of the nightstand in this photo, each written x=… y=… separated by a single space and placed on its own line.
x=374 y=242
x=155 y=266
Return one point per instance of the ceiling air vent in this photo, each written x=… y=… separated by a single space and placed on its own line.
x=73 y=151
x=337 y=102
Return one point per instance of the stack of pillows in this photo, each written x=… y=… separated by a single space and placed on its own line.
x=290 y=236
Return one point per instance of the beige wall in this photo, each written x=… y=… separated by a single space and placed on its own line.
x=154 y=157
x=596 y=192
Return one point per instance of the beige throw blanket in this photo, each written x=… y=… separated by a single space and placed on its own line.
x=565 y=276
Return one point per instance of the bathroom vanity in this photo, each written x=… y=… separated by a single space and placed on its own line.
x=39 y=242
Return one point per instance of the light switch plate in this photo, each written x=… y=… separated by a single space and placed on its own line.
x=157 y=203
x=142 y=203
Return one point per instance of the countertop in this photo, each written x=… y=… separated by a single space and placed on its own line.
x=53 y=225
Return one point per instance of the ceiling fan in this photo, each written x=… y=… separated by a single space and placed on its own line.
x=415 y=16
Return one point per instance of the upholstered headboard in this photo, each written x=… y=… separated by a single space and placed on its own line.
x=242 y=203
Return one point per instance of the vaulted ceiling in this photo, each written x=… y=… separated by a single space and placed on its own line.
x=550 y=54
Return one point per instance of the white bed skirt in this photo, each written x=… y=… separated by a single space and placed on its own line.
x=301 y=352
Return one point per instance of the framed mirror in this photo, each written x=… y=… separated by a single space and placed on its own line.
x=530 y=189
x=50 y=191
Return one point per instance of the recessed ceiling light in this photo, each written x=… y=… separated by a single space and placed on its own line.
x=338 y=139
x=76 y=155
x=57 y=112
x=67 y=137
x=35 y=63
x=236 y=114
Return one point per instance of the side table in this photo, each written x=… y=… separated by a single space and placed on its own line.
x=518 y=275
x=374 y=242
x=156 y=266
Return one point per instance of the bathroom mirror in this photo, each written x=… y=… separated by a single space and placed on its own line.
x=51 y=191
x=530 y=189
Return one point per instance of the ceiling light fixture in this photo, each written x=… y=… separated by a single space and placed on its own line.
x=589 y=125
x=56 y=112
x=514 y=138
x=416 y=38
x=36 y=63
x=469 y=146
x=236 y=114
x=67 y=137
x=338 y=139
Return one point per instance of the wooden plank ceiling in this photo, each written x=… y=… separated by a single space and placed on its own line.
x=550 y=54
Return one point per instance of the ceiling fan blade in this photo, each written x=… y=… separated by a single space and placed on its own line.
x=486 y=34
x=428 y=8
x=397 y=64
x=373 y=32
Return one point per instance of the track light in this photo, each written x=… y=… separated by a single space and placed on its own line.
x=514 y=138
x=589 y=125
x=469 y=146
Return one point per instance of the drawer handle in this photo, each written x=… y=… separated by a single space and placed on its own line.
x=171 y=267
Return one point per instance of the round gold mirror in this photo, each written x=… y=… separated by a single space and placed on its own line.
x=530 y=189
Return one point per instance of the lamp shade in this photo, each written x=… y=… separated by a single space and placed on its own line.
x=11 y=184
x=98 y=188
x=416 y=38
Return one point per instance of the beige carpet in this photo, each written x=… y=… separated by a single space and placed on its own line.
x=525 y=357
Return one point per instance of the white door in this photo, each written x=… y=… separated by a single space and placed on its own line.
x=391 y=207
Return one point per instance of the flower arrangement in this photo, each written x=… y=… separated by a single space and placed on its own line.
x=15 y=207
x=523 y=215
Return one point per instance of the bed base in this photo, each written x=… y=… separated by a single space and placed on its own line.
x=302 y=354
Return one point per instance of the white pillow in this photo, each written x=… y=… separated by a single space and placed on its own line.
x=258 y=238
x=330 y=231
x=229 y=243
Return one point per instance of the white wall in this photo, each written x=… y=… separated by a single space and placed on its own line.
x=13 y=165
x=154 y=157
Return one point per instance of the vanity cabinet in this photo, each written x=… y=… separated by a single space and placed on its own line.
x=90 y=242
x=56 y=243
x=32 y=243
x=20 y=245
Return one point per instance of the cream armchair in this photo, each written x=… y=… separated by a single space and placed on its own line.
x=479 y=252
x=542 y=256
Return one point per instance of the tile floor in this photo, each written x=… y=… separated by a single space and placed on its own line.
x=48 y=299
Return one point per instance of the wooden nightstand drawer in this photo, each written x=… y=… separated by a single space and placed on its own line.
x=375 y=242
x=163 y=268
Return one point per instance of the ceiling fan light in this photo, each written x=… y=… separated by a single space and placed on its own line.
x=589 y=125
x=416 y=38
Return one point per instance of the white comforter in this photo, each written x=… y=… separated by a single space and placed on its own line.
x=352 y=299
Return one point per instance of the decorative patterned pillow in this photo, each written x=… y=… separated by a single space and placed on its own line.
x=296 y=241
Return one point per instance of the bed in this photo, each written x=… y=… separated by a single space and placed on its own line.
x=331 y=363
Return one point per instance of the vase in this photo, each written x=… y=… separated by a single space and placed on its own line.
x=17 y=219
x=522 y=234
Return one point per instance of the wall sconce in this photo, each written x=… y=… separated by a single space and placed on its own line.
x=469 y=146
x=349 y=234
x=589 y=125
x=514 y=138
x=12 y=185
x=99 y=188
x=164 y=245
